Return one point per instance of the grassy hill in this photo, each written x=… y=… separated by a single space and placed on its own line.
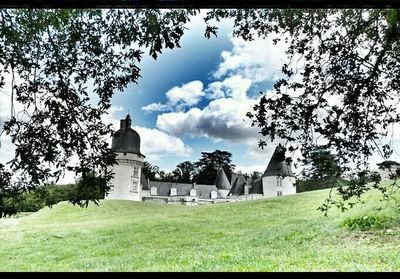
x=277 y=234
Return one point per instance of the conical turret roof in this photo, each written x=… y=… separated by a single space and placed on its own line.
x=238 y=186
x=279 y=164
x=222 y=181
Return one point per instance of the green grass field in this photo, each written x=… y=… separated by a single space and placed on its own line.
x=277 y=234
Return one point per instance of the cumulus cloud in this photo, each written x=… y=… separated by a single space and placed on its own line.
x=187 y=95
x=154 y=141
x=234 y=87
x=224 y=118
x=258 y=60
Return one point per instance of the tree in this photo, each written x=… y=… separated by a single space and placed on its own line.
x=150 y=171
x=323 y=171
x=53 y=57
x=255 y=175
x=184 y=172
x=340 y=85
x=210 y=162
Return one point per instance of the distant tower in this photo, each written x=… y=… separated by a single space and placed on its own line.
x=127 y=171
x=278 y=179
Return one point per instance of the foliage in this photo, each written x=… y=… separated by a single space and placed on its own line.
x=303 y=185
x=368 y=222
x=209 y=163
x=150 y=171
x=321 y=171
x=254 y=175
x=340 y=82
x=53 y=57
x=184 y=172
x=49 y=195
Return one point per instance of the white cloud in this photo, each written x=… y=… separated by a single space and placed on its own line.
x=156 y=107
x=250 y=169
x=187 y=95
x=223 y=118
x=156 y=142
x=258 y=60
x=235 y=87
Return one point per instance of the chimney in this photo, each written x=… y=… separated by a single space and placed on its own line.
x=126 y=123
x=122 y=124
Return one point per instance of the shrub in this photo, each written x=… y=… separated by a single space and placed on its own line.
x=368 y=222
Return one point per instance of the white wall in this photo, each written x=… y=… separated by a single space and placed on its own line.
x=223 y=192
x=124 y=179
x=270 y=186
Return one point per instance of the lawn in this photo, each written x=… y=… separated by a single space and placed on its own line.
x=277 y=234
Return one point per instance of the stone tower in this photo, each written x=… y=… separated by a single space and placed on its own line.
x=127 y=171
x=278 y=179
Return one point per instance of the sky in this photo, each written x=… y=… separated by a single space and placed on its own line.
x=194 y=99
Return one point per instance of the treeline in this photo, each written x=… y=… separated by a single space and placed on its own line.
x=49 y=195
x=203 y=171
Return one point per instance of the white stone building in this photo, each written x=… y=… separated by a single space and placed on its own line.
x=129 y=182
x=128 y=170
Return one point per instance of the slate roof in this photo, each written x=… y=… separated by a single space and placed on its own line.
x=204 y=191
x=222 y=182
x=279 y=165
x=238 y=186
x=126 y=140
x=183 y=189
x=256 y=187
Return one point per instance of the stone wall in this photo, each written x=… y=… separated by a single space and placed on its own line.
x=271 y=187
x=126 y=181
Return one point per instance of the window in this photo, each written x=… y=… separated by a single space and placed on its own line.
x=134 y=187
x=279 y=181
x=279 y=193
x=135 y=172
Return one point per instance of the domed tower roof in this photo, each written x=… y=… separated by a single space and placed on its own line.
x=279 y=164
x=126 y=140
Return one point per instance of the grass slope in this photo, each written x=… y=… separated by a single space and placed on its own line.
x=277 y=234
